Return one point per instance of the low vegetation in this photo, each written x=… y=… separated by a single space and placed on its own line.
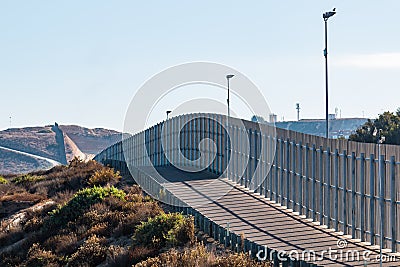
x=104 y=176
x=27 y=179
x=199 y=255
x=85 y=214
x=388 y=123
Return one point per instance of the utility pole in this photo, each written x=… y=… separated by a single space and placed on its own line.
x=298 y=111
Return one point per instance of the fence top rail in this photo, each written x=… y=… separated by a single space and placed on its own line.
x=303 y=140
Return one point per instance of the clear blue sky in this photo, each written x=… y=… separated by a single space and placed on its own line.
x=80 y=62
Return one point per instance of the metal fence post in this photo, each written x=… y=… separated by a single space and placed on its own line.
x=243 y=134
x=213 y=130
x=382 y=197
x=254 y=178
x=294 y=175
x=236 y=157
x=271 y=167
x=282 y=169
x=264 y=149
x=313 y=166
x=307 y=182
x=191 y=141
x=287 y=173
x=276 y=172
x=336 y=169
x=300 y=168
x=201 y=137
x=321 y=186
x=265 y=165
x=353 y=195
x=328 y=187
x=344 y=196
x=372 y=198
x=393 y=202
x=362 y=196
x=249 y=164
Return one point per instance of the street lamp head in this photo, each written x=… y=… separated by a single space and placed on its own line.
x=329 y=14
x=168 y=112
x=229 y=76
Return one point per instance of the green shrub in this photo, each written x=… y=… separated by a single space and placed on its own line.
x=3 y=180
x=104 y=176
x=166 y=229
x=81 y=201
x=27 y=179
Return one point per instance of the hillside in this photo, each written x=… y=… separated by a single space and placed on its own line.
x=58 y=143
x=85 y=214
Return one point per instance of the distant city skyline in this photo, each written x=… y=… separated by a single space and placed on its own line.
x=81 y=62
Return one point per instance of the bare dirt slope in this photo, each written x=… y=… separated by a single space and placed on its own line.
x=91 y=141
x=72 y=150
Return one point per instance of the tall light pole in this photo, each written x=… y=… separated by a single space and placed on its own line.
x=326 y=16
x=228 y=77
x=168 y=112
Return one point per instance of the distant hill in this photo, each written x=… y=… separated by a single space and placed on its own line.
x=59 y=143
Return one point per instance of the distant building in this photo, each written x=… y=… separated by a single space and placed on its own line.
x=273 y=118
x=338 y=128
